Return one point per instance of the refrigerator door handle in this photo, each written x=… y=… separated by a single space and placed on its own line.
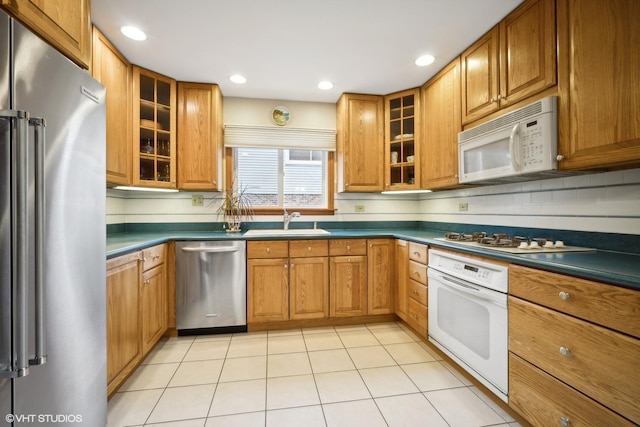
x=40 y=357
x=19 y=241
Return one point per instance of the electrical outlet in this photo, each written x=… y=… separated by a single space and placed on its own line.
x=359 y=208
x=197 y=200
x=463 y=207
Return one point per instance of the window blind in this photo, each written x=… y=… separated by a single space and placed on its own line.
x=279 y=137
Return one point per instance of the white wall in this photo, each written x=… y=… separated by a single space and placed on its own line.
x=605 y=202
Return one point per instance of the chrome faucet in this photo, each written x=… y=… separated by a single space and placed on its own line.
x=289 y=217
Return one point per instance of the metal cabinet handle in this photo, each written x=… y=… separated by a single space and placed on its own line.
x=415 y=292
x=565 y=422
x=309 y=248
x=146 y=282
x=564 y=351
x=286 y=266
x=155 y=257
x=564 y=295
x=416 y=273
x=268 y=250
x=348 y=247
x=559 y=157
x=416 y=253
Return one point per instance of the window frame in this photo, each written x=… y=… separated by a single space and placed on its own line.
x=329 y=210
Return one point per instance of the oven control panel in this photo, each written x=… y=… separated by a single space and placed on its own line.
x=480 y=272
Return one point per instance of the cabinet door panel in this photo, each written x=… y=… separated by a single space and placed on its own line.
x=480 y=77
x=123 y=321
x=199 y=136
x=402 y=268
x=528 y=51
x=114 y=71
x=348 y=282
x=599 y=100
x=64 y=24
x=380 y=276
x=309 y=279
x=442 y=123
x=267 y=289
x=360 y=143
x=154 y=309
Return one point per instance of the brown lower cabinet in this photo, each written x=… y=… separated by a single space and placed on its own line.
x=136 y=310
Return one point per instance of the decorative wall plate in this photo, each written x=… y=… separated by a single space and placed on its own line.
x=280 y=115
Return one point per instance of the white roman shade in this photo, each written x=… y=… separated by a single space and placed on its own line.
x=279 y=137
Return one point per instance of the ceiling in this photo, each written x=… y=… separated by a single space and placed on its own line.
x=285 y=47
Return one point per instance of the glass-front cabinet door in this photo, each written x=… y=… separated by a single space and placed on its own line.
x=402 y=133
x=154 y=127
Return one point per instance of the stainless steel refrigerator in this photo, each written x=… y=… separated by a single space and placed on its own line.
x=52 y=236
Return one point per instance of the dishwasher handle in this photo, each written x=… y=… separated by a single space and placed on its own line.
x=214 y=249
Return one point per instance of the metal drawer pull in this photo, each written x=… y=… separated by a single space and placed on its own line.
x=309 y=248
x=348 y=247
x=564 y=351
x=565 y=422
x=417 y=273
x=268 y=250
x=146 y=282
x=564 y=295
x=416 y=253
x=415 y=292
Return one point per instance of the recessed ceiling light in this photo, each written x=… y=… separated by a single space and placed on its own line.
x=325 y=85
x=237 y=78
x=134 y=33
x=425 y=60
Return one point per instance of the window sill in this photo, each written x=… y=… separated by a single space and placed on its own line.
x=303 y=211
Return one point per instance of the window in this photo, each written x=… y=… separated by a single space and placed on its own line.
x=289 y=178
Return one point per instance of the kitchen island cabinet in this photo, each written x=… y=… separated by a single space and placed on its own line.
x=360 y=143
x=199 y=137
x=599 y=84
x=113 y=70
x=65 y=24
x=571 y=334
x=441 y=123
x=512 y=62
x=124 y=349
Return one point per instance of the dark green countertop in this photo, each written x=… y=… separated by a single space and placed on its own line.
x=617 y=268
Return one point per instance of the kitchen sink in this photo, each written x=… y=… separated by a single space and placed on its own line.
x=294 y=232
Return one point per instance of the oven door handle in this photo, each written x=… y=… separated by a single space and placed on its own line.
x=494 y=297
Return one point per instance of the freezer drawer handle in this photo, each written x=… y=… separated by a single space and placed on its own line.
x=222 y=249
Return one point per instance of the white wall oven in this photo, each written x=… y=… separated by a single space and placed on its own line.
x=468 y=315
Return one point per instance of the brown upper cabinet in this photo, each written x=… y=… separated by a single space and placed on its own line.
x=441 y=124
x=199 y=136
x=513 y=61
x=154 y=129
x=360 y=143
x=113 y=70
x=599 y=83
x=402 y=136
x=65 y=24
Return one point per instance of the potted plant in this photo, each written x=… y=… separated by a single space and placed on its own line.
x=236 y=207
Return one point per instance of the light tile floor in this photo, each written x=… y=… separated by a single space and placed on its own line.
x=367 y=375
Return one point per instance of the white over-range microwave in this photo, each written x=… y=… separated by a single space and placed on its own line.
x=518 y=146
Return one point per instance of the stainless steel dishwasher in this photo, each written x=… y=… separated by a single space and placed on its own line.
x=211 y=287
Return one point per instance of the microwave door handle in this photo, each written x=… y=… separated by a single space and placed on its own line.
x=512 y=145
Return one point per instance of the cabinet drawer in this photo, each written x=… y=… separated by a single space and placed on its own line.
x=418 y=291
x=545 y=401
x=596 y=361
x=308 y=248
x=606 y=305
x=152 y=257
x=418 y=272
x=343 y=247
x=417 y=316
x=418 y=252
x=268 y=249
